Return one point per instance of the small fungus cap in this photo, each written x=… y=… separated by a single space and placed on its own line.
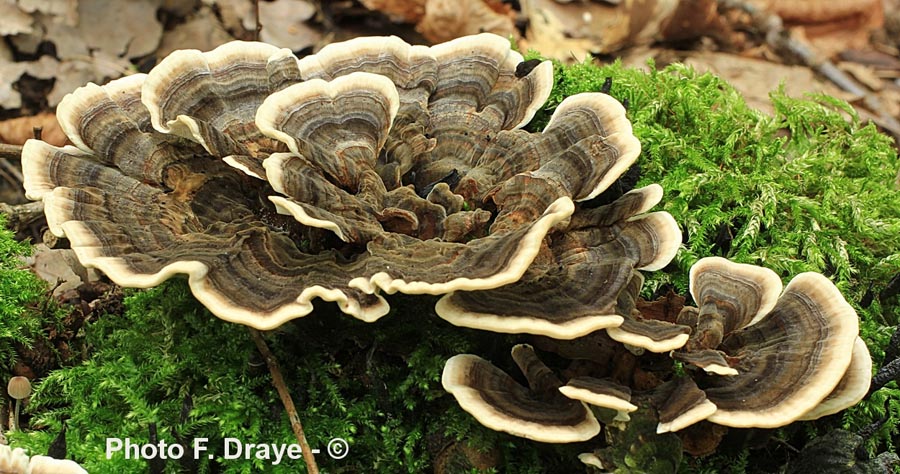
x=683 y=405
x=497 y=401
x=599 y=392
x=18 y=387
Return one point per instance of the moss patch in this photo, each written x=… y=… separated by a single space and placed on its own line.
x=810 y=189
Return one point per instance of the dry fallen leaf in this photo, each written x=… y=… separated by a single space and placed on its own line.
x=448 y=19
x=831 y=26
x=64 y=10
x=569 y=31
x=15 y=21
x=399 y=11
x=232 y=13
x=201 y=31
x=864 y=74
x=60 y=268
x=284 y=24
x=755 y=78
x=16 y=130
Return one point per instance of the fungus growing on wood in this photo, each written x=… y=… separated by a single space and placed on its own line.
x=595 y=260
x=539 y=412
x=786 y=353
x=851 y=389
x=370 y=167
x=682 y=405
x=789 y=350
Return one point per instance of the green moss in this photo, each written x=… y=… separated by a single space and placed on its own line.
x=808 y=189
x=811 y=188
x=167 y=362
x=24 y=302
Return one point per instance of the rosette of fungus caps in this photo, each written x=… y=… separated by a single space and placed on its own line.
x=369 y=168
x=19 y=388
x=539 y=411
x=766 y=358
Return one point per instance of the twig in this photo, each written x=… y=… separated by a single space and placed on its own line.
x=885 y=374
x=10 y=173
x=10 y=152
x=278 y=381
x=892 y=351
x=22 y=216
x=867 y=431
x=258 y=22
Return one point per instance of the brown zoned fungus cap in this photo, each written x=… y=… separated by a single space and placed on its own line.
x=372 y=166
x=539 y=412
x=19 y=387
x=789 y=360
x=851 y=389
x=599 y=392
x=683 y=404
x=589 y=280
x=729 y=296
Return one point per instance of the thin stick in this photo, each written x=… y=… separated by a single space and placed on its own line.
x=278 y=381
x=258 y=23
x=10 y=152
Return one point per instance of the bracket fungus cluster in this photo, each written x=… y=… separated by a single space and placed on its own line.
x=797 y=351
x=374 y=167
x=756 y=356
x=369 y=168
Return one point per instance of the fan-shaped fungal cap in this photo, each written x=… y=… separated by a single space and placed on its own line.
x=270 y=181
x=650 y=334
x=729 y=296
x=594 y=260
x=599 y=392
x=18 y=387
x=789 y=360
x=853 y=385
x=684 y=404
x=539 y=412
x=710 y=360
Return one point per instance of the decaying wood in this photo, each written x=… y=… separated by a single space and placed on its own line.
x=10 y=152
x=20 y=218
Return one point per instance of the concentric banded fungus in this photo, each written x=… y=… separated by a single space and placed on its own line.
x=729 y=296
x=372 y=166
x=539 y=412
x=683 y=404
x=599 y=392
x=788 y=353
x=594 y=260
x=852 y=387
